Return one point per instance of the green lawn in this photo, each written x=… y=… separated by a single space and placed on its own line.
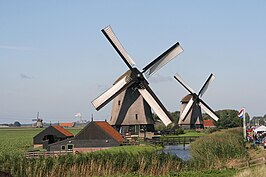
x=19 y=140
x=192 y=133
x=132 y=149
x=16 y=140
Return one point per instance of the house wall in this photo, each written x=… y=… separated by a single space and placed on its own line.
x=89 y=143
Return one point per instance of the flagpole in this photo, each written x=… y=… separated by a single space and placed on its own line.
x=244 y=124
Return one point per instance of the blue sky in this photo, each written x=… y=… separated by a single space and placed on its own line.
x=55 y=60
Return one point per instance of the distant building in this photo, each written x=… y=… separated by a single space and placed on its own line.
x=94 y=136
x=51 y=135
x=208 y=123
x=67 y=124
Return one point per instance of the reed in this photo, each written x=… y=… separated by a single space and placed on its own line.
x=92 y=164
x=213 y=150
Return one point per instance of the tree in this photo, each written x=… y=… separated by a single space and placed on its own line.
x=228 y=119
x=17 y=124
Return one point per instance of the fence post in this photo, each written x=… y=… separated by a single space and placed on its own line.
x=184 y=145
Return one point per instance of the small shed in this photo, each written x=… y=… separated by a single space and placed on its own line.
x=51 y=135
x=94 y=136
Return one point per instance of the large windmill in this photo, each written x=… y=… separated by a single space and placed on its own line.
x=190 y=112
x=133 y=98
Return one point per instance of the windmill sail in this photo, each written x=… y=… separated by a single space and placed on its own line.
x=164 y=58
x=110 y=35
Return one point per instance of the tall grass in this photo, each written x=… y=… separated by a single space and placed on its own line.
x=210 y=151
x=214 y=150
x=258 y=171
x=92 y=164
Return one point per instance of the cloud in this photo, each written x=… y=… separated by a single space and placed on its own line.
x=24 y=76
x=159 y=78
x=18 y=48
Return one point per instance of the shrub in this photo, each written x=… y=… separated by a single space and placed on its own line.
x=213 y=150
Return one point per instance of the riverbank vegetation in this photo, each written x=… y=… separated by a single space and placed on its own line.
x=210 y=153
x=216 y=149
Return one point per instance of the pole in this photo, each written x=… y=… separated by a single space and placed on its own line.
x=244 y=124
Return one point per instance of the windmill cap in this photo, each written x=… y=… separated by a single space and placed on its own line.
x=186 y=98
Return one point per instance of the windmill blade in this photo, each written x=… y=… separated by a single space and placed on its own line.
x=181 y=81
x=110 y=35
x=155 y=104
x=187 y=109
x=206 y=85
x=112 y=92
x=208 y=110
x=164 y=58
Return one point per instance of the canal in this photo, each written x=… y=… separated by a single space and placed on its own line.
x=179 y=151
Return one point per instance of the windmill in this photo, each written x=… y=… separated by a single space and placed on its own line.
x=133 y=98
x=38 y=121
x=190 y=113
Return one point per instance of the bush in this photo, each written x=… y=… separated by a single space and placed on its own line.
x=211 y=130
x=179 y=131
x=213 y=150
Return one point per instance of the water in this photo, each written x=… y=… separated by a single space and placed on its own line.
x=179 y=151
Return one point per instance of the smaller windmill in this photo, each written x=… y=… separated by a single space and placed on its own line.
x=38 y=121
x=190 y=113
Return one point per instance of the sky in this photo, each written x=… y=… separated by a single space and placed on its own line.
x=55 y=60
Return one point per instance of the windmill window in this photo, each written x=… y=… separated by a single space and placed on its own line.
x=63 y=147
x=136 y=116
x=119 y=102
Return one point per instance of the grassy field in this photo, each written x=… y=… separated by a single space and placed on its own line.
x=122 y=161
x=18 y=140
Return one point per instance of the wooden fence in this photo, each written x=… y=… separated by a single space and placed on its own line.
x=175 y=140
x=249 y=163
x=37 y=154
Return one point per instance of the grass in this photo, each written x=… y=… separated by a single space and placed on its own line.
x=19 y=140
x=192 y=133
x=186 y=133
x=16 y=140
x=208 y=173
x=132 y=149
x=214 y=150
x=258 y=171
x=92 y=164
x=209 y=152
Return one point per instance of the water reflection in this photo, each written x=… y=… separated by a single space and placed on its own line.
x=179 y=151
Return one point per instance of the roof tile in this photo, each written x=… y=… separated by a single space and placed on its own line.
x=62 y=130
x=110 y=130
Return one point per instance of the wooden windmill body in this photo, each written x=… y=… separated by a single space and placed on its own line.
x=194 y=118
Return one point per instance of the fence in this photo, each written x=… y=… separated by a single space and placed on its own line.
x=37 y=154
x=249 y=163
x=175 y=140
